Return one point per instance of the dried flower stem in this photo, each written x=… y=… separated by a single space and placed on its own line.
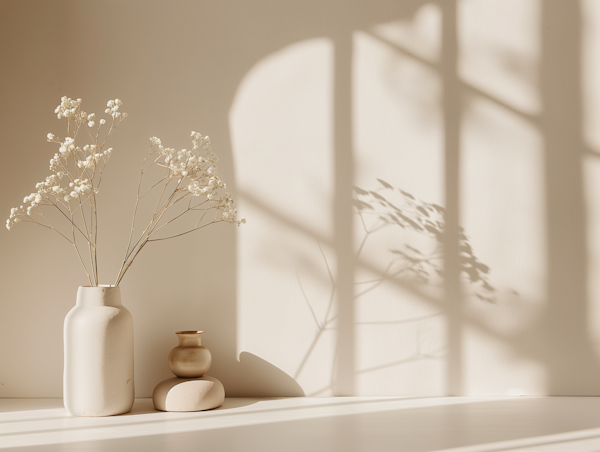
x=77 y=174
x=73 y=182
x=196 y=175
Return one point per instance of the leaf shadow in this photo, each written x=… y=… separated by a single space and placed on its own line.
x=387 y=207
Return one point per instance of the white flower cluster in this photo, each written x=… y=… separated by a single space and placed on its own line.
x=200 y=170
x=77 y=172
x=91 y=118
x=92 y=160
x=196 y=171
x=14 y=216
x=113 y=109
x=69 y=108
x=225 y=203
x=47 y=191
x=79 y=180
x=80 y=187
x=67 y=148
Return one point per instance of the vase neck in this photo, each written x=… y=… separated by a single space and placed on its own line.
x=189 y=339
x=99 y=296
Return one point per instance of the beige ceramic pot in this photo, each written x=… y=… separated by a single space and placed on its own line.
x=190 y=358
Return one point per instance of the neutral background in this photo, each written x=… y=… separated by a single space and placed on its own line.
x=421 y=181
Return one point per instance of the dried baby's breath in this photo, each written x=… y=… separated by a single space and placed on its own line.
x=76 y=175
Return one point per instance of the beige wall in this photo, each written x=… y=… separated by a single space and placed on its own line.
x=420 y=181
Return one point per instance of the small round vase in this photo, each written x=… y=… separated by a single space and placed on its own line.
x=189 y=359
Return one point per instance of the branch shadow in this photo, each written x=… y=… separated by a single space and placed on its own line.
x=392 y=207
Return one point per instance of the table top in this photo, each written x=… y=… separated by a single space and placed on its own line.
x=348 y=424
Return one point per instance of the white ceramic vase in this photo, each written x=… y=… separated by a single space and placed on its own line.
x=98 y=335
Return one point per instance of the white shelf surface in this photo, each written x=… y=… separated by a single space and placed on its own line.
x=344 y=424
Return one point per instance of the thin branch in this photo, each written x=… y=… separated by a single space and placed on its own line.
x=70 y=220
x=187 y=232
x=153 y=229
x=170 y=221
x=46 y=226
x=90 y=251
x=82 y=264
x=137 y=201
x=146 y=192
x=130 y=262
x=95 y=229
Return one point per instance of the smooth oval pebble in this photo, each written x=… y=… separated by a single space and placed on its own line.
x=188 y=394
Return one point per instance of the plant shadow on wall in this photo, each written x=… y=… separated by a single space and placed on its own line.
x=396 y=208
x=414 y=230
x=556 y=338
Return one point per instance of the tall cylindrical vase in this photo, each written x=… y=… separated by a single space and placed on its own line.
x=98 y=335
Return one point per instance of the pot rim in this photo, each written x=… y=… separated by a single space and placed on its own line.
x=189 y=332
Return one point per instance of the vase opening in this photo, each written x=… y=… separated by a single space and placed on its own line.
x=189 y=332
x=100 y=285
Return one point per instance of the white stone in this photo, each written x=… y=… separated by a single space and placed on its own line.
x=188 y=394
